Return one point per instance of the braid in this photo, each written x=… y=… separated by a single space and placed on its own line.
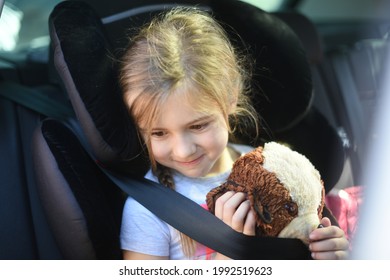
x=164 y=176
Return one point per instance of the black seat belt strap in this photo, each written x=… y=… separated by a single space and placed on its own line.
x=35 y=100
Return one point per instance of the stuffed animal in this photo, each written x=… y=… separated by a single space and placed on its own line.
x=285 y=191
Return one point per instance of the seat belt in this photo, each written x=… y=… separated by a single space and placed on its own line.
x=175 y=209
x=35 y=100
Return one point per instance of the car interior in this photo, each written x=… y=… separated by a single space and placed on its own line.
x=66 y=137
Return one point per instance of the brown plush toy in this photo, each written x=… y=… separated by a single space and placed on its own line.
x=285 y=191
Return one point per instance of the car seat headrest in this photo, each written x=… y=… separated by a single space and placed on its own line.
x=281 y=70
x=83 y=59
x=307 y=33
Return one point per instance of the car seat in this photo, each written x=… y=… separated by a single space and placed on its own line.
x=82 y=205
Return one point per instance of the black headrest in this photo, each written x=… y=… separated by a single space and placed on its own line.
x=282 y=69
x=307 y=33
x=84 y=60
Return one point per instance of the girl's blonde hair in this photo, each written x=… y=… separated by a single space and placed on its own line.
x=184 y=51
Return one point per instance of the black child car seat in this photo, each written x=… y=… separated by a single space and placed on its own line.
x=85 y=166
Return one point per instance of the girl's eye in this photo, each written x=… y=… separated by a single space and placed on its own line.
x=199 y=126
x=158 y=133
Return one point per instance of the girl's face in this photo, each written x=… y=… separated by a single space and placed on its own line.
x=191 y=142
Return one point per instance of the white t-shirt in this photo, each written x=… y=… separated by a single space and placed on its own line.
x=145 y=233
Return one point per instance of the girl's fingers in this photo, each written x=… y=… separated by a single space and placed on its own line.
x=220 y=204
x=331 y=255
x=239 y=216
x=326 y=232
x=227 y=205
x=328 y=242
x=233 y=209
x=325 y=222
x=250 y=223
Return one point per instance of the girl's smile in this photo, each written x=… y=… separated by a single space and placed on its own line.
x=191 y=162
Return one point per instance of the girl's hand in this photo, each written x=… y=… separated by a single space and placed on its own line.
x=235 y=210
x=328 y=242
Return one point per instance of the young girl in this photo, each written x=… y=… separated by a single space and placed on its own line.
x=185 y=86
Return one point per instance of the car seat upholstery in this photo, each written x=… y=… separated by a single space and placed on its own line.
x=82 y=206
x=306 y=32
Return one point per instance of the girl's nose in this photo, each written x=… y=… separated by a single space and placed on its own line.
x=184 y=147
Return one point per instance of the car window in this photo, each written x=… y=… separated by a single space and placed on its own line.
x=23 y=24
x=336 y=10
x=267 y=5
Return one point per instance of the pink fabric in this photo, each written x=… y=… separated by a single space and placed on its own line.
x=345 y=205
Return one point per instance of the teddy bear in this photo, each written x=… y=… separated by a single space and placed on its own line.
x=285 y=191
